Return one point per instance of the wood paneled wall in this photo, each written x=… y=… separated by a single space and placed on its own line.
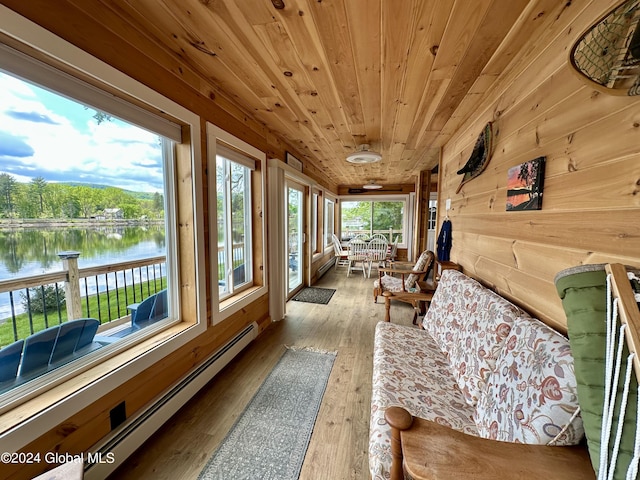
x=591 y=202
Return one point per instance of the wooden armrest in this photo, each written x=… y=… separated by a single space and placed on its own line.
x=386 y=270
x=402 y=262
x=432 y=451
x=405 y=272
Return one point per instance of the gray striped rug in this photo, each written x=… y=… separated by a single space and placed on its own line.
x=270 y=438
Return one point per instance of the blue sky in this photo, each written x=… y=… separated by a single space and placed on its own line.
x=45 y=135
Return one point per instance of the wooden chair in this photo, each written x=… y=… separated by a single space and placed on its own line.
x=37 y=352
x=379 y=236
x=68 y=337
x=340 y=253
x=392 y=252
x=377 y=249
x=410 y=287
x=422 y=295
x=358 y=255
x=403 y=276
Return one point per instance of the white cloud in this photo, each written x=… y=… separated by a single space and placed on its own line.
x=71 y=146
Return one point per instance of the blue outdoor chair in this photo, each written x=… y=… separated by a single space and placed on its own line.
x=150 y=310
x=88 y=333
x=10 y=360
x=37 y=351
x=74 y=339
x=160 y=308
x=68 y=336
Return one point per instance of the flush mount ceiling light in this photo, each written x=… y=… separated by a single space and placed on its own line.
x=372 y=185
x=363 y=155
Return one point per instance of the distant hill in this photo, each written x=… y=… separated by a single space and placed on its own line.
x=137 y=195
x=82 y=184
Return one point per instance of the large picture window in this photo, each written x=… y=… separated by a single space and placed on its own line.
x=370 y=217
x=87 y=198
x=100 y=204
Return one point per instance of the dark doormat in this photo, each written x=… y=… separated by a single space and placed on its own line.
x=315 y=295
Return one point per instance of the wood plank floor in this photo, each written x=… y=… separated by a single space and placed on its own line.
x=338 y=447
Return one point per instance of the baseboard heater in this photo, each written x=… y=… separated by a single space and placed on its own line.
x=325 y=268
x=138 y=429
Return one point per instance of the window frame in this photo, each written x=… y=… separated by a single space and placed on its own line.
x=230 y=288
x=225 y=307
x=102 y=372
x=329 y=205
x=315 y=211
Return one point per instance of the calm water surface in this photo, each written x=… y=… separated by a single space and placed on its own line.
x=26 y=252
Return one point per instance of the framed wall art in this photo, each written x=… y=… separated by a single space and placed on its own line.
x=525 y=183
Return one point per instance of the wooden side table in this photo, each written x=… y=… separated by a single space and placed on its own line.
x=442 y=266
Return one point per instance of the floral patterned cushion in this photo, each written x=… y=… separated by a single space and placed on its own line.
x=532 y=395
x=424 y=259
x=389 y=284
x=471 y=324
x=410 y=371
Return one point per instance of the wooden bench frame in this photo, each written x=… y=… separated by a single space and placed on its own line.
x=430 y=451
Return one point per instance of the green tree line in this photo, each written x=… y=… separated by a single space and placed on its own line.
x=41 y=199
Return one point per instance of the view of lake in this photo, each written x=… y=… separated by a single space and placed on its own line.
x=33 y=251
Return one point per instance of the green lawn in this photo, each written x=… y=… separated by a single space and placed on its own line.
x=107 y=311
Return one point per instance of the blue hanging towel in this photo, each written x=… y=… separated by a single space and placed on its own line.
x=444 y=241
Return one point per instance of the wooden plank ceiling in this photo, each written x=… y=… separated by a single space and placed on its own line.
x=330 y=75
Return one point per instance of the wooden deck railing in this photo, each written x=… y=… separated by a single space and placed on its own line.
x=390 y=233
x=101 y=292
